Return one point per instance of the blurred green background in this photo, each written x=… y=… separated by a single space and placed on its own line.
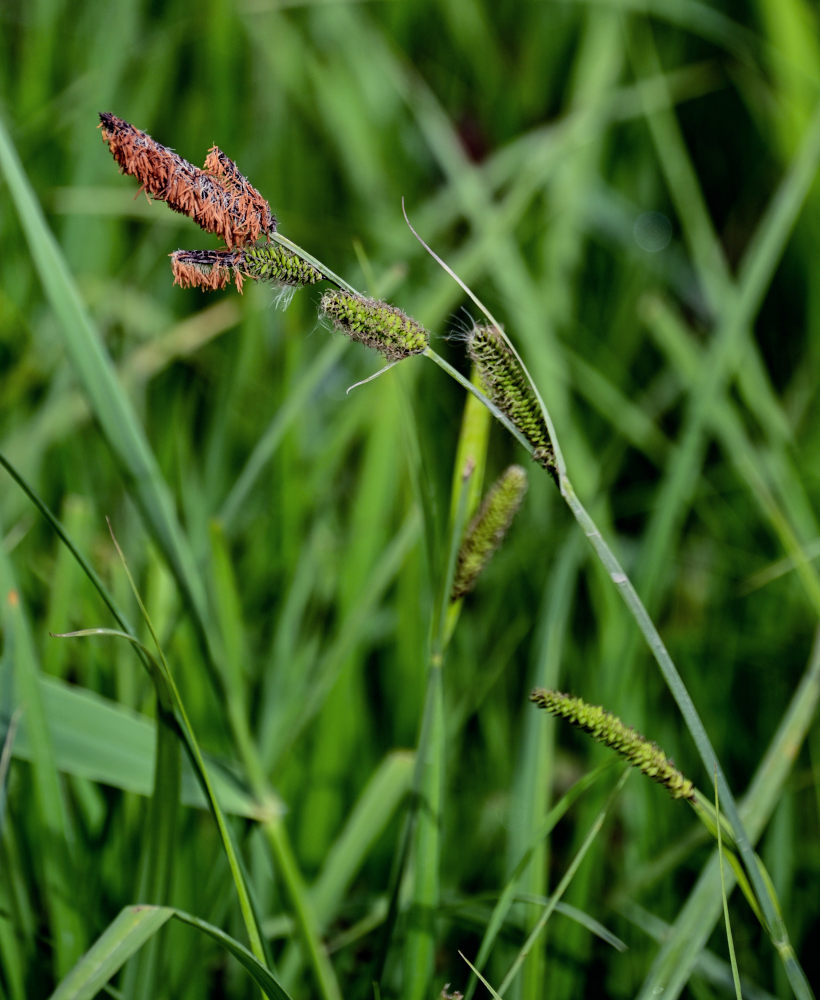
x=629 y=187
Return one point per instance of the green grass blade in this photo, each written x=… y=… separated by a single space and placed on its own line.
x=562 y=886
x=129 y=931
x=724 y=898
x=378 y=802
x=99 y=740
x=126 y=934
x=324 y=974
x=425 y=852
x=510 y=892
x=58 y=862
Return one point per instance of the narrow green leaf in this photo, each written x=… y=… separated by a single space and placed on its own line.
x=129 y=931
x=97 y=739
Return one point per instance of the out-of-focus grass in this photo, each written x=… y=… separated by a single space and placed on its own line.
x=603 y=178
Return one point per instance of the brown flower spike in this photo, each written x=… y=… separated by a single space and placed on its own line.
x=219 y=198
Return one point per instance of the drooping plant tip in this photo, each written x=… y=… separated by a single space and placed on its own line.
x=509 y=388
x=608 y=729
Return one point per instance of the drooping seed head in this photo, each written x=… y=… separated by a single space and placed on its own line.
x=487 y=529
x=611 y=731
x=509 y=388
x=219 y=198
x=375 y=324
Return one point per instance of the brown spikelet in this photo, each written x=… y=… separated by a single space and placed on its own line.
x=206 y=269
x=219 y=198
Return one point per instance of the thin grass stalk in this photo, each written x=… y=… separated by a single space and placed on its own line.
x=680 y=694
x=246 y=907
x=56 y=860
x=510 y=891
x=728 y=923
x=141 y=977
x=562 y=886
x=425 y=848
x=428 y=785
x=534 y=772
x=776 y=927
x=318 y=960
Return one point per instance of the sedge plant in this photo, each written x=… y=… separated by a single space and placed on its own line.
x=222 y=201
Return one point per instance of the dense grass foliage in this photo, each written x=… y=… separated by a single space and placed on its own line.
x=631 y=190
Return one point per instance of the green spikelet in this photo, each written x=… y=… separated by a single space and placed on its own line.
x=375 y=324
x=507 y=385
x=272 y=262
x=487 y=529
x=213 y=269
x=608 y=729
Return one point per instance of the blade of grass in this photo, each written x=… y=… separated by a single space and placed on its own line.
x=142 y=975
x=99 y=740
x=724 y=897
x=510 y=892
x=535 y=766
x=57 y=861
x=429 y=777
x=562 y=886
x=129 y=931
x=380 y=798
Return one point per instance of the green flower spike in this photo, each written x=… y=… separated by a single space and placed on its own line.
x=212 y=269
x=507 y=385
x=608 y=729
x=487 y=529
x=375 y=324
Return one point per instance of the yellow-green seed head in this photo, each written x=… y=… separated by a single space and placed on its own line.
x=487 y=529
x=608 y=729
x=375 y=324
x=508 y=386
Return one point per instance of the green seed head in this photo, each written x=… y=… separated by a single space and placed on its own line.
x=212 y=269
x=272 y=262
x=487 y=529
x=375 y=324
x=508 y=386
x=608 y=729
